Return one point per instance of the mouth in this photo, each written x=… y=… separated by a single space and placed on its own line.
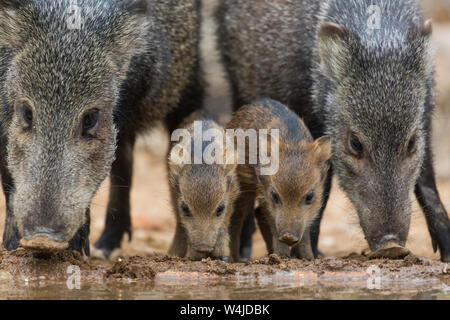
x=43 y=241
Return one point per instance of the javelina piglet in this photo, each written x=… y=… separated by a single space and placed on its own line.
x=289 y=198
x=202 y=194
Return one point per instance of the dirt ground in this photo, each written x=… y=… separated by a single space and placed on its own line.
x=153 y=220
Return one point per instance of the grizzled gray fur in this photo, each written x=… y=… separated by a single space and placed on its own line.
x=73 y=100
x=370 y=89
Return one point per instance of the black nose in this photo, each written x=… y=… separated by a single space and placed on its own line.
x=289 y=238
x=203 y=248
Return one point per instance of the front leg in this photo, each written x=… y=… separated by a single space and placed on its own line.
x=80 y=241
x=303 y=249
x=266 y=227
x=281 y=249
x=179 y=245
x=11 y=235
x=243 y=204
x=435 y=213
x=118 y=219
x=315 y=227
x=222 y=247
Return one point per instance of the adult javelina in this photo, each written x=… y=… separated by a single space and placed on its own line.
x=372 y=91
x=71 y=93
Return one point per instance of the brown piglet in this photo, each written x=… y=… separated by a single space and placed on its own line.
x=288 y=200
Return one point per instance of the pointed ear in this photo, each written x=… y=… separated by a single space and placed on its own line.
x=13 y=23
x=425 y=32
x=174 y=168
x=229 y=169
x=333 y=50
x=130 y=32
x=321 y=149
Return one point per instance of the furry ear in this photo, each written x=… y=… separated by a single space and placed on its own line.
x=425 y=32
x=333 y=49
x=229 y=169
x=130 y=32
x=13 y=24
x=321 y=149
x=174 y=168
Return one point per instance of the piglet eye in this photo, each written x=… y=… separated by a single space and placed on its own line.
x=275 y=197
x=90 y=121
x=220 y=210
x=310 y=197
x=186 y=210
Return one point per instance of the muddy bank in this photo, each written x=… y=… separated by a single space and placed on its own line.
x=35 y=265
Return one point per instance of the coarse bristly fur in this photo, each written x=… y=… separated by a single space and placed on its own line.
x=203 y=197
x=69 y=96
x=370 y=89
x=290 y=198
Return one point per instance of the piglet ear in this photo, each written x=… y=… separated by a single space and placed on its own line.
x=321 y=149
x=334 y=52
x=13 y=23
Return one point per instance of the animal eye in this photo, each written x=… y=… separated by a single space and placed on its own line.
x=412 y=145
x=275 y=197
x=186 y=210
x=24 y=108
x=220 y=210
x=356 y=146
x=310 y=197
x=90 y=121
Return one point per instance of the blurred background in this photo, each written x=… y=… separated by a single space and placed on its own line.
x=152 y=216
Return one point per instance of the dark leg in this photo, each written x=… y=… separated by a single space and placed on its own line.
x=435 y=213
x=243 y=204
x=303 y=250
x=266 y=229
x=11 y=236
x=80 y=241
x=248 y=229
x=179 y=243
x=118 y=219
x=315 y=227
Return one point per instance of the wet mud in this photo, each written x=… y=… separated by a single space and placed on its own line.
x=45 y=274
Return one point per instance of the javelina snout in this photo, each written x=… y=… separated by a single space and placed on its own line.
x=203 y=248
x=289 y=238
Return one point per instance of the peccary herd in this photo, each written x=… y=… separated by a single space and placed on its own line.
x=346 y=92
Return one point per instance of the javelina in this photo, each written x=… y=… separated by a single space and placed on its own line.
x=362 y=73
x=79 y=80
x=290 y=197
x=203 y=196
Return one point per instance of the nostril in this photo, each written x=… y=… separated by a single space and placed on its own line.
x=203 y=248
x=288 y=237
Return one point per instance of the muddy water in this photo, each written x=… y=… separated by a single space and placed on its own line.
x=37 y=275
